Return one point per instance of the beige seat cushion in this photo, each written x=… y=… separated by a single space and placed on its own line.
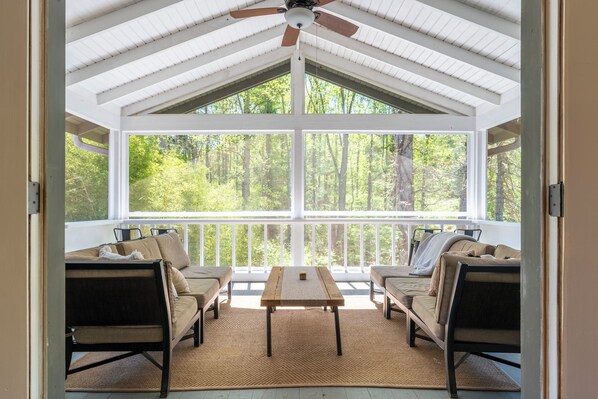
x=506 y=252
x=379 y=274
x=172 y=250
x=423 y=306
x=404 y=289
x=185 y=309
x=147 y=246
x=223 y=274
x=203 y=290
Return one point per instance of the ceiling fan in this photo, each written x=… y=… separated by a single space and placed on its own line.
x=300 y=15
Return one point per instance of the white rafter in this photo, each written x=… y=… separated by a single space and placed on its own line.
x=115 y=18
x=416 y=93
x=423 y=40
x=208 y=83
x=475 y=16
x=156 y=46
x=189 y=65
x=406 y=65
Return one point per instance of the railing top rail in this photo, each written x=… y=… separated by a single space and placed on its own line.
x=274 y=221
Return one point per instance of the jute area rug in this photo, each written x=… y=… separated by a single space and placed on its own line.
x=233 y=356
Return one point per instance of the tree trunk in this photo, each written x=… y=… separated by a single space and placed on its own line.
x=370 y=159
x=246 y=168
x=500 y=187
x=403 y=168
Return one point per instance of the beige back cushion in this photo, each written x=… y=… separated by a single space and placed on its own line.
x=147 y=246
x=478 y=248
x=448 y=271
x=172 y=250
x=88 y=252
x=506 y=252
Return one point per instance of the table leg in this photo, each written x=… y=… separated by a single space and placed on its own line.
x=339 y=346
x=269 y=329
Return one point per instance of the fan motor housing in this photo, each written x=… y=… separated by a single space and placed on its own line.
x=309 y=4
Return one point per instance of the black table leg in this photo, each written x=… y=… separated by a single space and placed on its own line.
x=269 y=330
x=339 y=346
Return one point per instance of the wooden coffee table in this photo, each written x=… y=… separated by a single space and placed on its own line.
x=284 y=288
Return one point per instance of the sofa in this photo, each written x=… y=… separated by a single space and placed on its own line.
x=115 y=306
x=380 y=274
x=471 y=305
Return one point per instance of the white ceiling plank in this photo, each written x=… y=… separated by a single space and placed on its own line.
x=208 y=83
x=115 y=18
x=378 y=79
x=85 y=108
x=189 y=65
x=156 y=46
x=409 y=123
x=407 y=65
x=423 y=40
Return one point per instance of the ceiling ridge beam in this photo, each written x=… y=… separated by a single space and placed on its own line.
x=406 y=65
x=476 y=16
x=203 y=85
x=156 y=46
x=379 y=79
x=115 y=18
x=189 y=65
x=423 y=40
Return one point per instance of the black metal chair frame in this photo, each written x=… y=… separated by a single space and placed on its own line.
x=450 y=345
x=125 y=233
x=475 y=233
x=162 y=230
x=105 y=315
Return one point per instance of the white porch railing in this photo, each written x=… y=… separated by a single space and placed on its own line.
x=348 y=245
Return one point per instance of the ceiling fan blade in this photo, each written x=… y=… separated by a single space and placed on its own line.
x=291 y=35
x=257 y=12
x=322 y=3
x=336 y=24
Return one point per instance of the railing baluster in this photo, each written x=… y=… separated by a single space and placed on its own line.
x=393 y=244
x=186 y=237
x=408 y=240
x=201 y=244
x=217 y=244
x=377 y=244
x=313 y=244
x=361 y=248
x=329 y=246
x=281 y=232
x=265 y=248
x=234 y=246
x=345 y=247
x=249 y=247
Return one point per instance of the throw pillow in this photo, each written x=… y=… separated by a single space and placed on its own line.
x=180 y=282
x=106 y=253
x=435 y=280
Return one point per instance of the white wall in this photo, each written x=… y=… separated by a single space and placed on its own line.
x=80 y=235
x=501 y=233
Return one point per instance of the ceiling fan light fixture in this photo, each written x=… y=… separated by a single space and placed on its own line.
x=300 y=18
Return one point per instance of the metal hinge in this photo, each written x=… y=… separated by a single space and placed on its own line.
x=556 y=193
x=33 y=198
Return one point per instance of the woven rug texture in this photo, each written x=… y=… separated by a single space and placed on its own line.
x=375 y=354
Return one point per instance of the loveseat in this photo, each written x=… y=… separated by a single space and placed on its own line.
x=471 y=304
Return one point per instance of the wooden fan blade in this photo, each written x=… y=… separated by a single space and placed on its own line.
x=257 y=12
x=291 y=35
x=322 y=3
x=336 y=24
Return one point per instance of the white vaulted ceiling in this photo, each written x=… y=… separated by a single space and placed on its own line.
x=130 y=57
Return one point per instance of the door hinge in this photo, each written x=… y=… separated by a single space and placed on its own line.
x=556 y=193
x=33 y=198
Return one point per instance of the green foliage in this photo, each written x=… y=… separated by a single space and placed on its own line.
x=505 y=179
x=86 y=184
